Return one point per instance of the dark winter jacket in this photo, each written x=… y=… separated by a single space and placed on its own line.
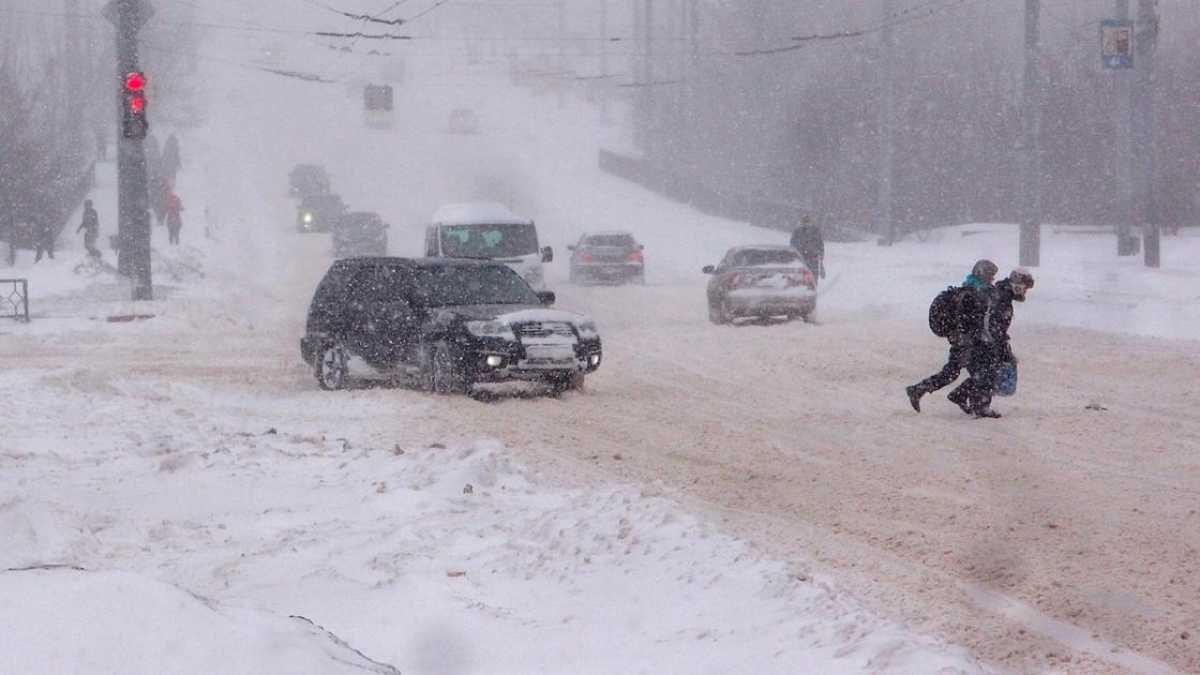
x=807 y=240
x=973 y=302
x=999 y=319
x=91 y=223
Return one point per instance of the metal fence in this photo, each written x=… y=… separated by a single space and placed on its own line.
x=14 y=299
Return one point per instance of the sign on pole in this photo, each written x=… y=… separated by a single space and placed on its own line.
x=1116 y=44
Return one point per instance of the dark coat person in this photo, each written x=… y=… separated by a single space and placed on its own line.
x=970 y=310
x=992 y=348
x=810 y=244
x=90 y=228
x=43 y=239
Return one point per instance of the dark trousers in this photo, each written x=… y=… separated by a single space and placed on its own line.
x=978 y=389
x=45 y=246
x=960 y=357
x=173 y=231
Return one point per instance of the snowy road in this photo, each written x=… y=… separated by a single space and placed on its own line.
x=1063 y=537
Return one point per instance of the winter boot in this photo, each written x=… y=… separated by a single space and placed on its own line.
x=914 y=396
x=962 y=400
x=987 y=413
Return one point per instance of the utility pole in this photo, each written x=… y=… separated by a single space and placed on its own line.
x=1145 y=45
x=562 y=53
x=1125 y=152
x=605 y=85
x=887 y=126
x=133 y=216
x=75 y=87
x=1031 y=119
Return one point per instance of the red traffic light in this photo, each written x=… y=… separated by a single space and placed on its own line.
x=135 y=82
x=137 y=105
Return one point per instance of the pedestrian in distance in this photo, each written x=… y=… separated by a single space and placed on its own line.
x=43 y=239
x=992 y=349
x=90 y=228
x=170 y=162
x=957 y=314
x=174 y=217
x=810 y=244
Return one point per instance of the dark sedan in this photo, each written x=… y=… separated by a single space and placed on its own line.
x=612 y=257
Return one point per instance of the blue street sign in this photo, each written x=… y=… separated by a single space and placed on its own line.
x=1116 y=44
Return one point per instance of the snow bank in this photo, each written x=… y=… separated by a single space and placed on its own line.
x=72 y=621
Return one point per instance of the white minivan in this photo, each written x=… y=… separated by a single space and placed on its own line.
x=488 y=231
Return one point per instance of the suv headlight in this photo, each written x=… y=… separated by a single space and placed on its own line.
x=494 y=329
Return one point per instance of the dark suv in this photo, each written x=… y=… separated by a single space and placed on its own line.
x=444 y=324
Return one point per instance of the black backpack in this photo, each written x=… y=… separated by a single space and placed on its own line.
x=944 y=312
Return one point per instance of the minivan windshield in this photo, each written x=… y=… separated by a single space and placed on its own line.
x=489 y=241
x=469 y=285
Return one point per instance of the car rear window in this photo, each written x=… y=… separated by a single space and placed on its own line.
x=613 y=240
x=759 y=257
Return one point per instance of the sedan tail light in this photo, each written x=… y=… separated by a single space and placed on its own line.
x=636 y=257
x=585 y=257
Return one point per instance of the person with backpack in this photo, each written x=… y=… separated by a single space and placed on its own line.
x=992 y=350
x=957 y=314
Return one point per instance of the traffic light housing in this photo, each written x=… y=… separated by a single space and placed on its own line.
x=133 y=106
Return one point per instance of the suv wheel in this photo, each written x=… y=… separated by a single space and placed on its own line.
x=716 y=312
x=332 y=370
x=446 y=374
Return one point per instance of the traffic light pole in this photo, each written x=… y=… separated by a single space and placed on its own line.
x=133 y=215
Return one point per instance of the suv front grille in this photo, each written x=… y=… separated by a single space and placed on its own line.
x=543 y=330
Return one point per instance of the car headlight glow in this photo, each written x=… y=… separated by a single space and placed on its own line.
x=308 y=218
x=496 y=329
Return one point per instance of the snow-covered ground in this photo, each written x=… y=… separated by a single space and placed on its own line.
x=750 y=499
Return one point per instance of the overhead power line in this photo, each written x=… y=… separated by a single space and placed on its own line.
x=367 y=18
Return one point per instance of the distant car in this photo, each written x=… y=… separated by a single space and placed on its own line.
x=308 y=179
x=318 y=213
x=444 y=324
x=463 y=121
x=360 y=234
x=608 y=257
x=760 y=281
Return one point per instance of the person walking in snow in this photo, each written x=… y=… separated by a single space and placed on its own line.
x=992 y=350
x=174 y=217
x=43 y=239
x=90 y=228
x=170 y=162
x=969 y=308
x=810 y=244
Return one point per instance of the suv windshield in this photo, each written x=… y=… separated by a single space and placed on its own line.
x=613 y=240
x=489 y=241
x=454 y=285
x=756 y=257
